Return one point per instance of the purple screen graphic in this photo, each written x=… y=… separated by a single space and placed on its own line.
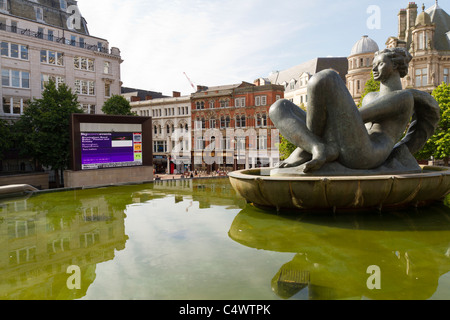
x=106 y=150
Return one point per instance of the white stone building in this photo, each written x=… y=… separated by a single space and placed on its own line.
x=171 y=131
x=48 y=39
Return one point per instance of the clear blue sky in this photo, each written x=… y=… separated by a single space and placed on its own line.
x=218 y=42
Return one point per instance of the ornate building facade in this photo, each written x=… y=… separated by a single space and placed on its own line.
x=425 y=34
x=360 y=65
x=231 y=126
x=44 y=40
x=171 y=129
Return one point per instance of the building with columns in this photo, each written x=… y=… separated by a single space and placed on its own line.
x=48 y=39
x=360 y=66
x=171 y=128
x=425 y=33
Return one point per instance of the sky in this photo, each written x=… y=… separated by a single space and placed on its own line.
x=220 y=42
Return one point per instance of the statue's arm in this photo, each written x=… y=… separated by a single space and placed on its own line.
x=386 y=106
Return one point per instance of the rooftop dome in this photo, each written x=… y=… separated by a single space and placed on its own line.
x=364 y=45
x=423 y=19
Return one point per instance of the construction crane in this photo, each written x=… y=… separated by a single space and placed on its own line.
x=192 y=84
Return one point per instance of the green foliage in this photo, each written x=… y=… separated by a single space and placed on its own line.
x=371 y=86
x=5 y=138
x=286 y=148
x=438 y=146
x=117 y=105
x=43 y=130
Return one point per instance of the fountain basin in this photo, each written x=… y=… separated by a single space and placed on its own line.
x=261 y=189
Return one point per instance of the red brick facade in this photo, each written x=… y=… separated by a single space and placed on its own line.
x=243 y=106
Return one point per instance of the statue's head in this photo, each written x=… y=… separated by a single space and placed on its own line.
x=391 y=60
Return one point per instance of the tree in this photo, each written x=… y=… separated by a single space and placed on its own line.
x=286 y=148
x=43 y=129
x=117 y=105
x=371 y=86
x=438 y=146
x=5 y=138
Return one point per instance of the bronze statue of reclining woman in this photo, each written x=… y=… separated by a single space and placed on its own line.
x=334 y=130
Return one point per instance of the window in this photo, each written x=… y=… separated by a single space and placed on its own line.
x=13 y=105
x=421 y=77
x=260 y=100
x=420 y=44
x=445 y=79
x=39 y=14
x=15 y=78
x=224 y=103
x=261 y=120
x=14 y=26
x=107 y=89
x=50 y=35
x=73 y=41
x=212 y=123
x=40 y=33
x=81 y=63
x=292 y=85
x=225 y=143
x=200 y=105
x=199 y=143
x=46 y=78
x=13 y=50
x=160 y=146
x=211 y=104
x=63 y=4
x=3 y=5
x=52 y=57
x=240 y=121
x=239 y=102
x=262 y=143
x=88 y=108
x=81 y=42
x=85 y=87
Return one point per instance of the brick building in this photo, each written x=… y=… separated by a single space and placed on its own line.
x=231 y=126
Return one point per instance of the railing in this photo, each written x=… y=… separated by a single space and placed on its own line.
x=53 y=38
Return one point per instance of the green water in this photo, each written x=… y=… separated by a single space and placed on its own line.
x=196 y=239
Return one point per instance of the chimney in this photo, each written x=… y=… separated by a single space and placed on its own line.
x=257 y=82
x=402 y=25
x=176 y=94
x=201 y=88
x=148 y=97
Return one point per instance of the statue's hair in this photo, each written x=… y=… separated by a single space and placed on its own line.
x=400 y=57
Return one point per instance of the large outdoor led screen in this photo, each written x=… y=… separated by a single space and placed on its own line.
x=110 y=150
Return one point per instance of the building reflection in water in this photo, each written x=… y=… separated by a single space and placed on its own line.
x=41 y=236
x=333 y=254
x=41 y=239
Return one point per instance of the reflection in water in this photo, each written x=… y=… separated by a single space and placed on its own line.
x=334 y=252
x=41 y=236
x=171 y=238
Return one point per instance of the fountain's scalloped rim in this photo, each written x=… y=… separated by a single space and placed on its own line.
x=342 y=192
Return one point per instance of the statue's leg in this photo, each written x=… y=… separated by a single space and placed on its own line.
x=333 y=115
x=291 y=121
